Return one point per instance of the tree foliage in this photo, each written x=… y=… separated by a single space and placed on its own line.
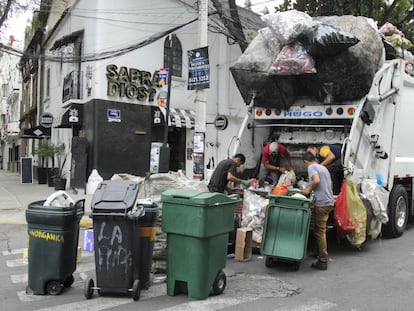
x=398 y=12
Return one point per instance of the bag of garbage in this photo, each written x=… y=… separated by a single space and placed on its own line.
x=59 y=199
x=322 y=40
x=288 y=25
x=292 y=60
x=349 y=74
x=357 y=215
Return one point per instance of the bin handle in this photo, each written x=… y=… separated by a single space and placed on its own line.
x=234 y=196
x=139 y=213
x=79 y=204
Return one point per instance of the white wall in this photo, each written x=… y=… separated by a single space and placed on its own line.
x=115 y=25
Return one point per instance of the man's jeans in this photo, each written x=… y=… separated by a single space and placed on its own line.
x=321 y=215
x=264 y=174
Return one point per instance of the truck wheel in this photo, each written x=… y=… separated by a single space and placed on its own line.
x=397 y=213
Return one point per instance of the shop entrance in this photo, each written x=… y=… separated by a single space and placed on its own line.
x=176 y=141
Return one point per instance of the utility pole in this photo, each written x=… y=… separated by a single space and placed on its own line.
x=201 y=95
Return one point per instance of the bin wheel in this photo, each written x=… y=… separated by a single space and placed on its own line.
x=69 y=281
x=88 y=288
x=269 y=261
x=296 y=266
x=219 y=283
x=54 y=288
x=136 y=290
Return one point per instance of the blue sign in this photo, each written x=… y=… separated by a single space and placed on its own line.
x=198 y=69
x=113 y=115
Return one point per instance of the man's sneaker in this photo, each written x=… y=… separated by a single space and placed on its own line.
x=320 y=265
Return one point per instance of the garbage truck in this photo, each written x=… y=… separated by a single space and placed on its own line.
x=374 y=131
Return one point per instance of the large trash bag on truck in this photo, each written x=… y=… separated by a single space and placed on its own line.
x=288 y=25
x=293 y=59
x=349 y=74
x=322 y=40
x=250 y=73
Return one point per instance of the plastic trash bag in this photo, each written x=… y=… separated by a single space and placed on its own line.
x=253 y=214
x=272 y=41
x=292 y=60
x=357 y=215
x=59 y=199
x=289 y=25
x=322 y=40
x=342 y=220
x=378 y=198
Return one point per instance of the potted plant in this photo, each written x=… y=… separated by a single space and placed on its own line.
x=43 y=153
x=60 y=173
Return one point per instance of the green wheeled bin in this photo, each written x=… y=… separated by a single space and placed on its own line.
x=286 y=229
x=197 y=226
x=53 y=234
x=116 y=229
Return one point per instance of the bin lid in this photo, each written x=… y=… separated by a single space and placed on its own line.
x=197 y=197
x=115 y=195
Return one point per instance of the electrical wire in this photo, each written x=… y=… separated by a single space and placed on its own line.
x=214 y=26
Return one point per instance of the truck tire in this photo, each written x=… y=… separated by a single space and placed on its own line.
x=397 y=213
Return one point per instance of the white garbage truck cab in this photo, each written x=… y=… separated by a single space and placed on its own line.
x=376 y=133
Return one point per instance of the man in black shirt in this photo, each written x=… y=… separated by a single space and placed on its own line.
x=225 y=172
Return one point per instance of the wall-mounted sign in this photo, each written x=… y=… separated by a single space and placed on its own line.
x=221 y=122
x=198 y=69
x=157 y=117
x=113 y=115
x=46 y=119
x=132 y=83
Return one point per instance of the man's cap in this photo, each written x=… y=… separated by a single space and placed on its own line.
x=324 y=151
x=274 y=147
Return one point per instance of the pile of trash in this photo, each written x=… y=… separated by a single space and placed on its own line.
x=150 y=189
x=331 y=58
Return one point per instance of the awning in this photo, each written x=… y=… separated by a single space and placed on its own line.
x=179 y=117
x=37 y=132
x=71 y=117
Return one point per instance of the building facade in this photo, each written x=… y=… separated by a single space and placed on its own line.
x=99 y=87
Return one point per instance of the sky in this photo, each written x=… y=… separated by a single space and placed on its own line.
x=258 y=5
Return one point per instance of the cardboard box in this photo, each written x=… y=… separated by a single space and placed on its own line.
x=243 y=244
x=88 y=240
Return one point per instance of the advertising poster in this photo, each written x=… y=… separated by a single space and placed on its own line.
x=198 y=166
x=198 y=69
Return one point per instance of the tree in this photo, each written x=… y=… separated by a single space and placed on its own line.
x=398 y=12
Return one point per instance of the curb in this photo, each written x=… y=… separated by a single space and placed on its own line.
x=86 y=223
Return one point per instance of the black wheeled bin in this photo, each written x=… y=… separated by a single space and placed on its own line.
x=116 y=230
x=53 y=243
x=147 y=233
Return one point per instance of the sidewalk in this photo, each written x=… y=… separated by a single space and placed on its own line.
x=15 y=198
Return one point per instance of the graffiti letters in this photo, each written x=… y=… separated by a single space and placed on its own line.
x=112 y=251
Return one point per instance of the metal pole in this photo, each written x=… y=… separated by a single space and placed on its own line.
x=170 y=66
x=201 y=95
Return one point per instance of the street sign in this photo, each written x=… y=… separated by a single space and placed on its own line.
x=198 y=69
x=221 y=122
x=46 y=119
